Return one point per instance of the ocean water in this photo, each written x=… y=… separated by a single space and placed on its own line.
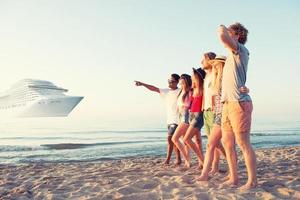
x=65 y=145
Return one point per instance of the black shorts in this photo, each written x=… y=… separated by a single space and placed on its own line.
x=171 y=129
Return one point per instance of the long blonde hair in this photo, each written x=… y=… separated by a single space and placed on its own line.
x=217 y=73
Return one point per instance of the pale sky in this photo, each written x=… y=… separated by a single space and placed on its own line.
x=98 y=48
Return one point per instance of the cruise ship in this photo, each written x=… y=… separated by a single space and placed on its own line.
x=36 y=98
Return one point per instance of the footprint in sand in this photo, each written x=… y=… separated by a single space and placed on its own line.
x=128 y=190
x=284 y=193
x=163 y=173
x=147 y=184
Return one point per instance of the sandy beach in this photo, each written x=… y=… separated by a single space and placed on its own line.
x=146 y=178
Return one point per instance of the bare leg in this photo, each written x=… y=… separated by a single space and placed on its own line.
x=177 y=153
x=199 y=145
x=221 y=149
x=188 y=140
x=217 y=138
x=187 y=150
x=180 y=131
x=243 y=140
x=215 y=163
x=169 y=150
x=213 y=140
x=229 y=145
x=218 y=152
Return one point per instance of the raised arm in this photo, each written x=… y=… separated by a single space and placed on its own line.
x=227 y=38
x=244 y=89
x=149 y=87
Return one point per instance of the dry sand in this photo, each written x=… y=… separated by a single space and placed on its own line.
x=145 y=178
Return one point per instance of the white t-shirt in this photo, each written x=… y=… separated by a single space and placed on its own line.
x=207 y=92
x=170 y=98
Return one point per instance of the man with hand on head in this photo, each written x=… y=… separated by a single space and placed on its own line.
x=237 y=106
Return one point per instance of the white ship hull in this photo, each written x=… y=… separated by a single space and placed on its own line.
x=52 y=107
x=36 y=98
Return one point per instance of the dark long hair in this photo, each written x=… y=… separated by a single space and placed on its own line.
x=188 y=82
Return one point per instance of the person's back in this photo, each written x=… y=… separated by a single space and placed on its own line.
x=235 y=75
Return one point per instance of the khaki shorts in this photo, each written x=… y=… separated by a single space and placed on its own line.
x=236 y=117
x=208 y=117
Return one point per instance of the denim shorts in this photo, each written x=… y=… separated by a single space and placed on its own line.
x=184 y=116
x=218 y=119
x=196 y=119
x=171 y=129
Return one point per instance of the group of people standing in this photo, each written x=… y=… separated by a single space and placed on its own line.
x=214 y=96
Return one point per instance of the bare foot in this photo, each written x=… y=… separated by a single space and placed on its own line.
x=201 y=162
x=248 y=186
x=187 y=164
x=200 y=166
x=231 y=183
x=202 y=178
x=226 y=178
x=222 y=171
x=178 y=163
x=166 y=163
x=213 y=171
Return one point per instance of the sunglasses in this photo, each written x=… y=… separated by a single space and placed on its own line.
x=171 y=81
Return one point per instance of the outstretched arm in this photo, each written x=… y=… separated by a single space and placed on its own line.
x=149 y=87
x=226 y=39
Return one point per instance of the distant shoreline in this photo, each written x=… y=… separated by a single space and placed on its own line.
x=159 y=158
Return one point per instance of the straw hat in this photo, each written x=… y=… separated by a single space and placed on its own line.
x=218 y=58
